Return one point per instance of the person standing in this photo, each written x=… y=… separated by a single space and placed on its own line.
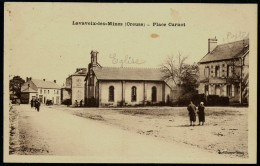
x=76 y=103
x=192 y=113
x=80 y=103
x=37 y=105
x=32 y=103
x=201 y=113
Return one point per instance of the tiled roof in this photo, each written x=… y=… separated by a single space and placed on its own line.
x=227 y=51
x=45 y=84
x=82 y=71
x=120 y=73
x=29 y=90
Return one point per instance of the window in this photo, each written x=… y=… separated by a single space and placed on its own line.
x=57 y=91
x=229 y=90
x=229 y=70
x=133 y=94
x=41 y=91
x=54 y=91
x=217 y=73
x=206 y=90
x=48 y=91
x=206 y=72
x=111 y=93
x=44 y=91
x=217 y=90
x=154 y=95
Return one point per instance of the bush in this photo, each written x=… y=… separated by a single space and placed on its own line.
x=185 y=99
x=215 y=100
x=91 y=102
x=67 y=102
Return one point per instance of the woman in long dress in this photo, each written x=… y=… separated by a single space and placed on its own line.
x=201 y=113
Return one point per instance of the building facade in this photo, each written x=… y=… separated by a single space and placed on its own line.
x=224 y=70
x=110 y=86
x=42 y=89
x=74 y=88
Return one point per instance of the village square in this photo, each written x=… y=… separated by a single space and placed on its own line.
x=139 y=102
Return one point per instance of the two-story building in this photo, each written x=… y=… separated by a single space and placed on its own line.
x=74 y=88
x=224 y=70
x=42 y=89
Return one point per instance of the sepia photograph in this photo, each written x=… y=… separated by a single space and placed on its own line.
x=130 y=83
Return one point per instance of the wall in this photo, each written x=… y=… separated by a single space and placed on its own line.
x=66 y=94
x=78 y=88
x=49 y=94
x=221 y=80
x=104 y=87
x=139 y=92
x=118 y=91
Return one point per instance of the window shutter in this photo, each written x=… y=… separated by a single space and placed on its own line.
x=224 y=88
x=233 y=90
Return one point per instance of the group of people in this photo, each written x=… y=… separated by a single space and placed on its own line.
x=79 y=104
x=192 y=113
x=36 y=103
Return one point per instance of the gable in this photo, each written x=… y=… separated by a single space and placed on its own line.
x=227 y=51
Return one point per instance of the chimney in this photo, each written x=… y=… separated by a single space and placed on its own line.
x=30 y=78
x=212 y=44
x=27 y=79
x=44 y=79
x=54 y=81
x=94 y=58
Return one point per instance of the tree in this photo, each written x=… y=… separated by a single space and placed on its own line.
x=15 y=85
x=182 y=74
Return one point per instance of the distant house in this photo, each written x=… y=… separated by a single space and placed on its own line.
x=74 y=87
x=42 y=89
x=224 y=70
x=118 y=86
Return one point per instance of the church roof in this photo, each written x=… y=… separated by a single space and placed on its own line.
x=227 y=51
x=45 y=84
x=121 y=73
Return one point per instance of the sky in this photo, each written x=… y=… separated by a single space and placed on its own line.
x=40 y=40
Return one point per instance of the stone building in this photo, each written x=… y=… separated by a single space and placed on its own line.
x=74 y=87
x=111 y=86
x=224 y=70
x=42 y=89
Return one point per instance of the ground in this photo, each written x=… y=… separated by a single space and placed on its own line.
x=61 y=130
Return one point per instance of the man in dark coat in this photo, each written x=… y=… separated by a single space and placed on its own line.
x=32 y=103
x=37 y=105
x=201 y=113
x=80 y=103
x=192 y=113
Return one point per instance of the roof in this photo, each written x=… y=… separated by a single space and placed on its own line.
x=29 y=90
x=227 y=51
x=122 y=73
x=81 y=71
x=45 y=84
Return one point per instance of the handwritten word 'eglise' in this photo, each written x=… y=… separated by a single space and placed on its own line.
x=126 y=60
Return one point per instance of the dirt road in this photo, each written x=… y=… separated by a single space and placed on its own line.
x=53 y=132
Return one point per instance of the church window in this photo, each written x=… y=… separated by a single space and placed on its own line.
x=111 y=93
x=133 y=93
x=154 y=94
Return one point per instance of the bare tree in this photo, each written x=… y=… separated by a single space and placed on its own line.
x=181 y=73
x=172 y=70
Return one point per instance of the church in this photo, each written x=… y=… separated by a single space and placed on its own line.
x=119 y=86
